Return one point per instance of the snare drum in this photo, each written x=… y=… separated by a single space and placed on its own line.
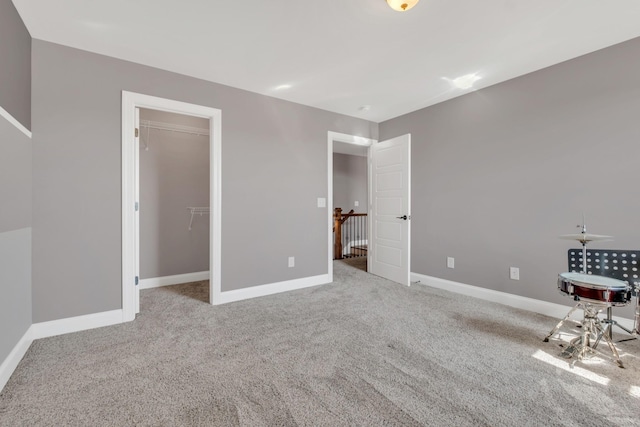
x=595 y=289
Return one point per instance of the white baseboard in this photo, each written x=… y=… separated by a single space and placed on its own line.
x=157 y=282
x=52 y=328
x=76 y=324
x=517 y=301
x=271 y=288
x=13 y=359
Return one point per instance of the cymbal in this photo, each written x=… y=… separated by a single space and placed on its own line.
x=585 y=237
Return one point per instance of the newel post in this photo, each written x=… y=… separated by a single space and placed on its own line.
x=337 y=235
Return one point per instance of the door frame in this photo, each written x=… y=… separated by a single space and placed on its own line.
x=130 y=170
x=349 y=139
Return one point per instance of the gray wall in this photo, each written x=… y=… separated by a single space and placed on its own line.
x=15 y=236
x=274 y=168
x=174 y=174
x=15 y=64
x=15 y=180
x=349 y=182
x=499 y=173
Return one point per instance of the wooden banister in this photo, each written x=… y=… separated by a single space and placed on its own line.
x=337 y=238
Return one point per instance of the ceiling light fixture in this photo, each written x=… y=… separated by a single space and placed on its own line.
x=401 y=5
x=463 y=82
x=466 y=82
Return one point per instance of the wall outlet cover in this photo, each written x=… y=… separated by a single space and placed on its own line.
x=451 y=262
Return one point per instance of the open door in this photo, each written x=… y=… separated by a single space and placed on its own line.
x=390 y=198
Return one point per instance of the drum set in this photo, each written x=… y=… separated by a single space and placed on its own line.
x=596 y=293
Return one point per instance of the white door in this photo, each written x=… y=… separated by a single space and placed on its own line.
x=136 y=221
x=390 y=224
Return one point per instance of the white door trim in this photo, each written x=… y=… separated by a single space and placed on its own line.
x=136 y=215
x=349 y=139
x=130 y=101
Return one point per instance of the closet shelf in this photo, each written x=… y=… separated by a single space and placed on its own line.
x=193 y=210
x=149 y=124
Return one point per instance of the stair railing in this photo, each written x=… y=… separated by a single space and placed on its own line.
x=356 y=228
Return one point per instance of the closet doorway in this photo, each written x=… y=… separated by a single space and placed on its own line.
x=171 y=202
x=173 y=160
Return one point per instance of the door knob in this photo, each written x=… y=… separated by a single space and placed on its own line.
x=402 y=217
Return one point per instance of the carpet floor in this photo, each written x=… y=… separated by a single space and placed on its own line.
x=361 y=351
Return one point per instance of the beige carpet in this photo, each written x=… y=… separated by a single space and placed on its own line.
x=361 y=351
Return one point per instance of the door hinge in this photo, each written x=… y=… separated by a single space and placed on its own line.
x=137 y=206
x=137 y=280
x=137 y=132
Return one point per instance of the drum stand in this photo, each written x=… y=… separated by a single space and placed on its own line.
x=611 y=323
x=591 y=330
x=560 y=323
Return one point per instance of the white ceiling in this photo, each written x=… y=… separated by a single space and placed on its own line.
x=339 y=55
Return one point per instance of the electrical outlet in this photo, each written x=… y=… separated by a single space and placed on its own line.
x=451 y=262
x=356 y=203
x=292 y=261
x=514 y=273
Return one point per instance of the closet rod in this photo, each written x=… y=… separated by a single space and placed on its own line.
x=173 y=128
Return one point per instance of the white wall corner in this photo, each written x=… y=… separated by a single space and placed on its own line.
x=272 y=288
x=11 y=362
x=52 y=328
x=551 y=309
